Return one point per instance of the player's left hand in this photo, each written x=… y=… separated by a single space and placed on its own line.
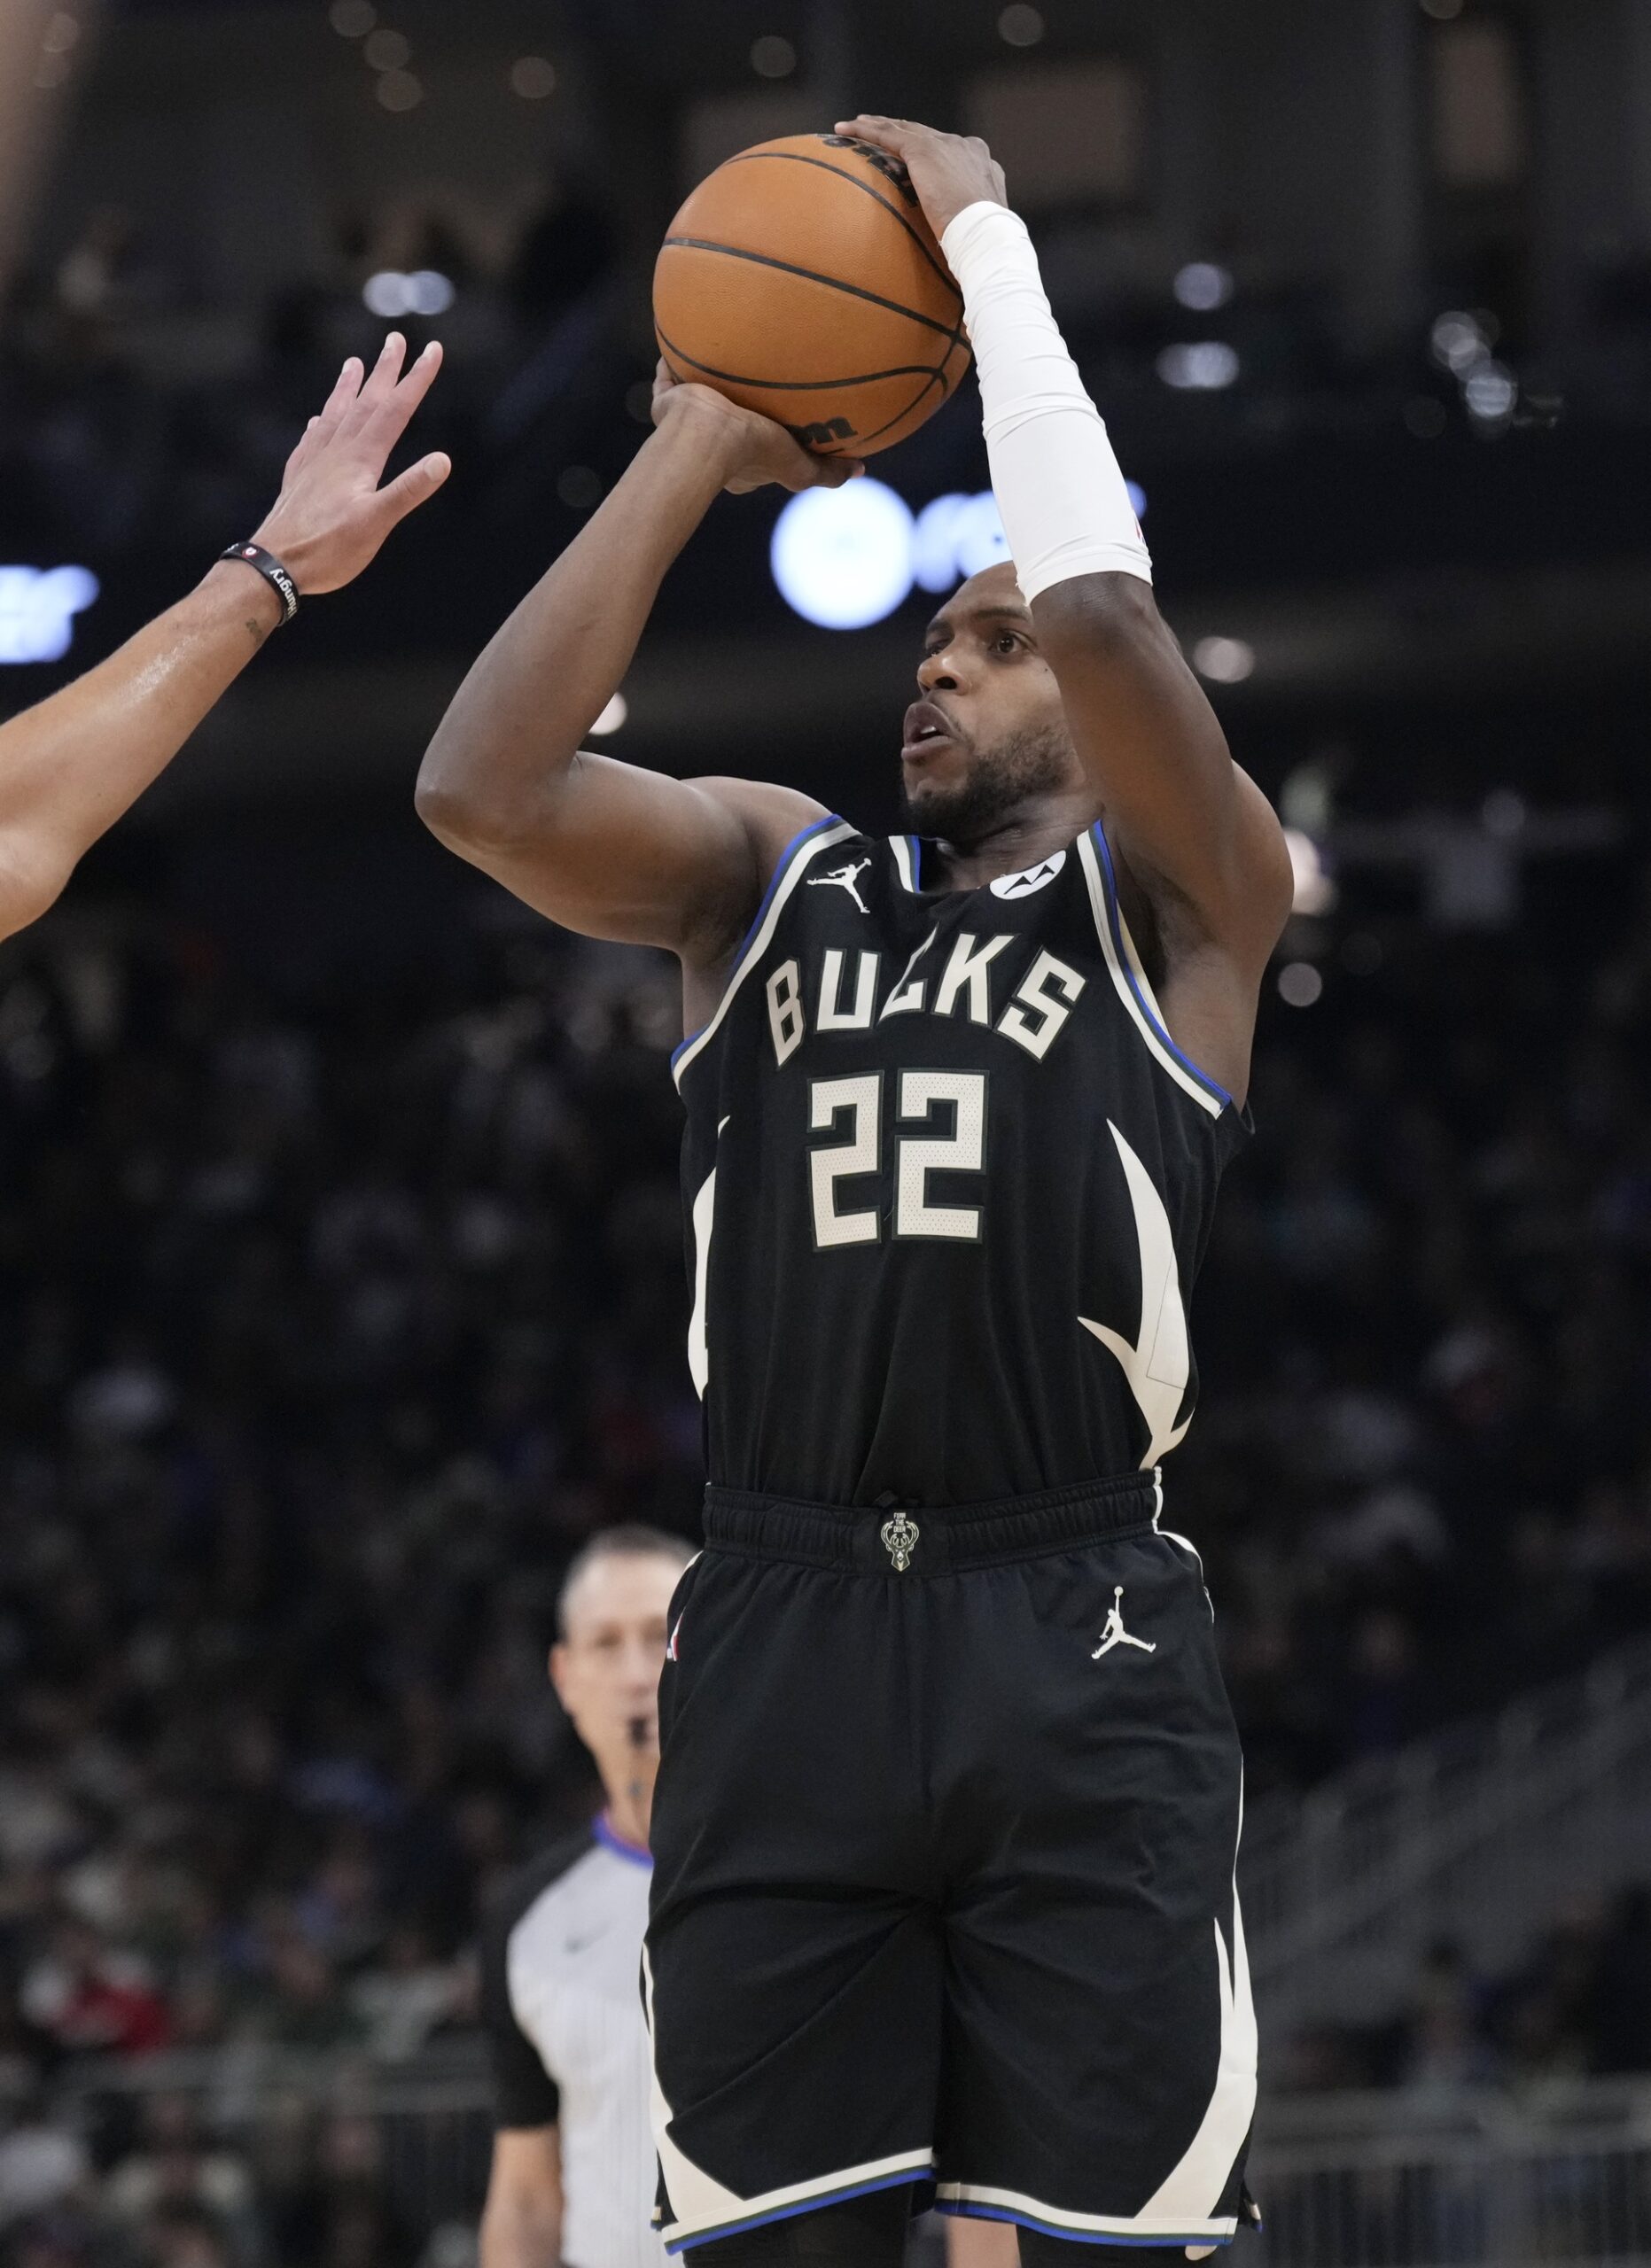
x=332 y=516
x=948 y=171
x=752 y=450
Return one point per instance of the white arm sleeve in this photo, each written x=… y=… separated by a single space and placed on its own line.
x=1065 y=508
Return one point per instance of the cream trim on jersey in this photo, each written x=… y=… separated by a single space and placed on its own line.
x=1206 y=2166
x=798 y=2197
x=1158 y=1364
x=705 y=2207
x=1169 y=1535
x=1181 y=2209
x=1126 y=990
x=901 y=846
x=1135 y=969
x=704 y=1219
x=783 y=883
x=972 y=2201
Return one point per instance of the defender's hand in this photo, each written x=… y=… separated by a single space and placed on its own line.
x=948 y=171
x=752 y=450
x=332 y=516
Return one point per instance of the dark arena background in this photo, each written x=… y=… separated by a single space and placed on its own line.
x=341 y=1288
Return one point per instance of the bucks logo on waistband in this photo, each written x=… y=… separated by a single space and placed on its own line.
x=899 y=1541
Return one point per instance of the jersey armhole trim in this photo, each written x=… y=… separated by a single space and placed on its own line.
x=795 y=855
x=1130 y=978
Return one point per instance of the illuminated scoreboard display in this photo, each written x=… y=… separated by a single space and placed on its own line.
x=846 y=557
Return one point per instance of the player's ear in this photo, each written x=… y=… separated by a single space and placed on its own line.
x=555 y=1667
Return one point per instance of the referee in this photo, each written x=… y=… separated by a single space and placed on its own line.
x=573 y=2168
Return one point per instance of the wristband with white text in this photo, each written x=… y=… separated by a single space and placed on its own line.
x=253 y=555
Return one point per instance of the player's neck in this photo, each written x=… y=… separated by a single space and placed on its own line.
x=629 y=1809
x=1035 y=831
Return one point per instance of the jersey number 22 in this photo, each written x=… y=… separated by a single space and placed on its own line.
x=947 y=1111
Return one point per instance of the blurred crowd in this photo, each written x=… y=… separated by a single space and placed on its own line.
x=1577 y=2005
x=333 y=1326
x=167 y=2180
x=1421 y=1474
x=121 y=398
x=340 y=1301
x=124 y=396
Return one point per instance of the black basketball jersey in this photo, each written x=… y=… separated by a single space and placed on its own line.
x=947 y=1182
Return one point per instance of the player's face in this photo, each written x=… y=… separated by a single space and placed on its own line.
x=989 y=733
x=606 y=1670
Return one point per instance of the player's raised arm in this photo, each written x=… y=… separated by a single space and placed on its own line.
x=72 y=765
x=603 y=847
x=1193 y=826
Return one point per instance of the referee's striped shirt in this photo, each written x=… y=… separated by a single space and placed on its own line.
x=561 y=1953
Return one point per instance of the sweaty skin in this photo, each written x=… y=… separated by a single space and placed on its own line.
x=1078 y=707
x=70 y=766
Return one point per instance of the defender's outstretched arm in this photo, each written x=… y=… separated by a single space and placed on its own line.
x=603 y=847
x=1194 y=829
x=72 y=765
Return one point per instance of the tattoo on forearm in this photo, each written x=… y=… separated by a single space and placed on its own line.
x=255 y=631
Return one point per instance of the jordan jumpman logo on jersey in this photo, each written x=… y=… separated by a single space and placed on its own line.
x=1113 y=1633
x=845 y=878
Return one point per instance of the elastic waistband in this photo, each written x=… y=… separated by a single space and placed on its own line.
x=933 y=1538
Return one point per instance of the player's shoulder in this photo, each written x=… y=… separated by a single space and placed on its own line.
x=517 y=1894
x=772 y=816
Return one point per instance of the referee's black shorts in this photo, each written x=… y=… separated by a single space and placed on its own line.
x=943 y=1872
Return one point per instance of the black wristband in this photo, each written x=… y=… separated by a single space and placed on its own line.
x=253 y=555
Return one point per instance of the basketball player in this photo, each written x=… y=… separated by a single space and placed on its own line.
x=573 y=2159
x=72 y=765
x=946 y=1827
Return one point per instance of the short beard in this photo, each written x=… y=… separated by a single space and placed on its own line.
x=1000 y=782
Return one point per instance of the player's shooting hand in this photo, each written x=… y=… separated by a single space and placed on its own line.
x=753 y=451
x=332 y=516
x=948 y=171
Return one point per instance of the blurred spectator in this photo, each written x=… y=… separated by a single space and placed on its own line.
x=43 y=2164
x=1579 y=2006
x=88 y=1997
x=103 y=277
x=185 y=2236
x=1443 y=2045
x=410 y=1995
x=361 y=2226
x=567 y=247
x=174 y=2169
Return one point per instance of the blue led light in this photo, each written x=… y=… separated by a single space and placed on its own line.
x=846 y=557
x=37 y=609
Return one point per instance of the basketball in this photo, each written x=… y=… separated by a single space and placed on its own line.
x=801 y=279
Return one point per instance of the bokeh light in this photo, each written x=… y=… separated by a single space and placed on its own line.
x=1020 y=25
x=533 y=77
x=771 y=56
x=1300 y=984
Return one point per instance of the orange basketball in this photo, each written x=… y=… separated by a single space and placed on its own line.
x=801 y=280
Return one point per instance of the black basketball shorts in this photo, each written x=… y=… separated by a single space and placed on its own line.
x=944 y=1845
